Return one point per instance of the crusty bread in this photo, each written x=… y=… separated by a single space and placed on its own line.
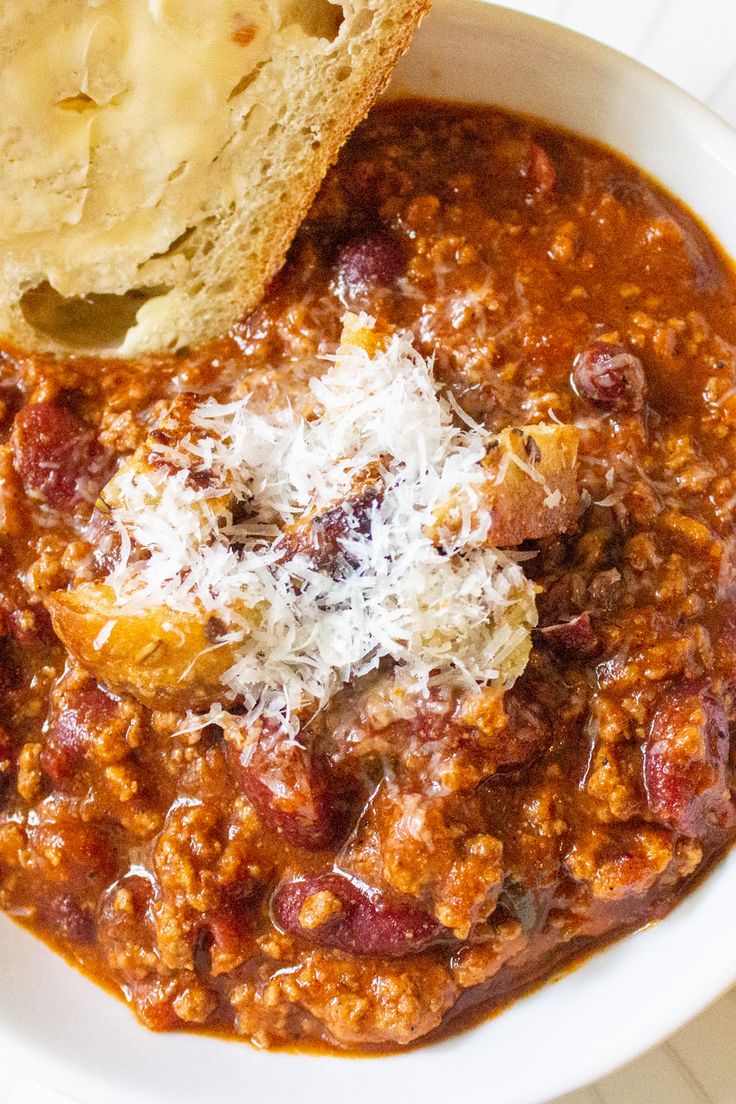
x=157 y=156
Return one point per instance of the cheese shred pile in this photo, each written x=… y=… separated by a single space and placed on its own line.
x=202 y=530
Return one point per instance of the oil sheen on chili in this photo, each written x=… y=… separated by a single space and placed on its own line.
x=456 y=864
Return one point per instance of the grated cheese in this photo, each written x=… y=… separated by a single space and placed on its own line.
x=457 y=616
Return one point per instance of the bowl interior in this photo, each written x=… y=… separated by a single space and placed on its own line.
x=58 y=1027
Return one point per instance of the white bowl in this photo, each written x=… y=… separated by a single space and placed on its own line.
x=58 y=1027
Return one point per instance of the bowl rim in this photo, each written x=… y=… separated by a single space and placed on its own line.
x=78 y=1078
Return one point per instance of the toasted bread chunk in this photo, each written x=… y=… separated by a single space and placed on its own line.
x=158 y=453
x=164 y=658
x=537 y=495
x=157 y=158
x=531 y=491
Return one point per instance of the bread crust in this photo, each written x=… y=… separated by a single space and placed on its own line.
x=302 y=104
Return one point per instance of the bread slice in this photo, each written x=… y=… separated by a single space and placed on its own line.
x=157 y=156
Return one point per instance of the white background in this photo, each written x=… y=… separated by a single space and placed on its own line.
x=693 y=42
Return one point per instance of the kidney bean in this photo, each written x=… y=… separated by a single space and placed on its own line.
x=626 y=190
x=685 y=760
x=540 y=172
x=72 y=731
x=528 y=732
x=610 y=376
x=322 y=540
x=369 y=261
x=287 y=788
x=229 y=927
x=572 y=638
x=125 y=930
x=31 y=625
x=456 y=751
x=56 y=455
x=227 y=935
x=70 y=850
x=68 y=918
x=153 y=1000
x=357 y=920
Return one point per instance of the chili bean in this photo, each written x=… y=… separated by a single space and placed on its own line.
x=322 y=539
x=528 y=732
x=228 y=927
x=228 y=931
x=610 y=376
x=286 y=787
x=369 y=261
x=31 y=625
x=541 y=172
x=125 y=931
x=358 y=920
x=56 y=455
x=72 y=731
x=69 y=850
x=627 y=190
x=685 y=760
x=68 y=918
x=500 y=734
x=154 y=1000
x=575 y=637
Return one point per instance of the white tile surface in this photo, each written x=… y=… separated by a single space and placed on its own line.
x=625 y=31
x=8 y=1080
x=24 y=1091
x=689 y=44
x=693 y=42
x=723 y=95
x=665 y=1078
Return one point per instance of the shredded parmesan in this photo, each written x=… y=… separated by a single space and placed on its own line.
x=458 y=616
